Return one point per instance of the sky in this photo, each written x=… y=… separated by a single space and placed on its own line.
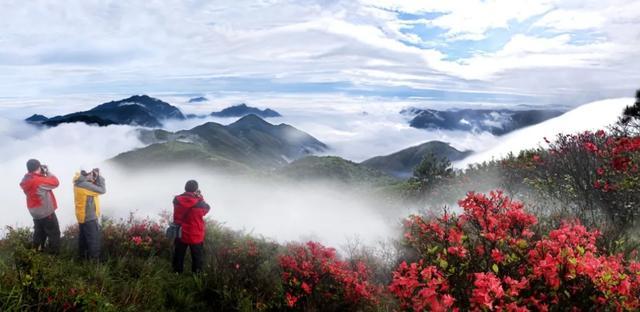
x=339 y=70
x=511 y=52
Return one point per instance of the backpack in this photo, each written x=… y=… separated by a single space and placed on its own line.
x=174 y=230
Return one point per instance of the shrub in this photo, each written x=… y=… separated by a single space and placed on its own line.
x=135 y=237
x=314 y=279
x=490 y=258
x=596 y=175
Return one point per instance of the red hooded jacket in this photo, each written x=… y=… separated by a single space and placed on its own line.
x=189 y=210
x=40 y=199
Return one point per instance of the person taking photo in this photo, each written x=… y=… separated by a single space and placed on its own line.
x=87 y=188
x=38 y=185
x=189 y=210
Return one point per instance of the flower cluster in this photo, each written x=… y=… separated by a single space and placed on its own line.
x=618 y=158
x=314 y=277
x=490 y=258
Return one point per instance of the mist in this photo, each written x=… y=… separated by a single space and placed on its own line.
x=65 y=149
x=276 y=209
x=356 y=131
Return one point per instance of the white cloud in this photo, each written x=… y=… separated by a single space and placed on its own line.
x=567 y=20
x=592 y=116
x=98 y=47
x=469 y=20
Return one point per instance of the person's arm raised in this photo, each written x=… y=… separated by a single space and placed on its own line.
x=202 y=207
x=94 y=189
x=48 y=182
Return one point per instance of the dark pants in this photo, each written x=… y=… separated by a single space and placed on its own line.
x=89 y=240
x=47 y=228
x=197 y=256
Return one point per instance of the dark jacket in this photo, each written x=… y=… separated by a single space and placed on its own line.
x=40 y=199
x=189 y=210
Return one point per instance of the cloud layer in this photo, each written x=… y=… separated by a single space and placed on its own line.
x=542 y=52
x=589 y=117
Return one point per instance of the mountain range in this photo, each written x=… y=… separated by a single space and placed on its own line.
x=142 y=110
x=138 y=110
x=250 y=142
x=253 y=144
x=497 y=122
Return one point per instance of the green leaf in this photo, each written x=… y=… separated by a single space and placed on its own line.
x=444 y=264
x=495 y=268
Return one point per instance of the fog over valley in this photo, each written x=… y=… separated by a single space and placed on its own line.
x=277 y=208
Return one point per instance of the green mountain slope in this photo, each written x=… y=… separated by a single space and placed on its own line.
x=178 y=153
x=250 y=141
x=401 y=164
x=334 y=168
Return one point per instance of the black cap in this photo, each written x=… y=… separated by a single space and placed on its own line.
x=191 y=186
x=33 y=165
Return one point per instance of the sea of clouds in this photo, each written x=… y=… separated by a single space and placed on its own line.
x=357 y=130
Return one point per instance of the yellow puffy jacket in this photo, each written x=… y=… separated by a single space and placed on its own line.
x=86 y=193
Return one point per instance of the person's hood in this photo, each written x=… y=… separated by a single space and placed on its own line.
x=188 y=199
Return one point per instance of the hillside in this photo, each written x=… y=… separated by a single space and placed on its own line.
x=335 y=169
x=401 y=164
x=250 y=141
x=177 y=153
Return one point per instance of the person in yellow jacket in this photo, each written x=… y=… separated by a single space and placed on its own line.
x=87 y=187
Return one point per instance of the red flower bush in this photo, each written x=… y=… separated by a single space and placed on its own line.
x=489 y=258
x=314 y=278
x=591 y=175
x=138 y=237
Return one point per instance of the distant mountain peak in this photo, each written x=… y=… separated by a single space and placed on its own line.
x=138 y=110
x=243 y=109
x=251 y=120
x=37 y=118
x=495 y=121
x=198 y=99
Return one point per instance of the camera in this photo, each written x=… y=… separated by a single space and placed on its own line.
x=44 y=170
x=92 y=175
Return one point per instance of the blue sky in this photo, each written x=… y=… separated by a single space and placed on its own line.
x=512 y=52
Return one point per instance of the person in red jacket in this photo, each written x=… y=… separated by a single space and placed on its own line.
x=37 y=185
x=189 y=210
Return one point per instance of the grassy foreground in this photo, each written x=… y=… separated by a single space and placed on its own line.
x=242 y=273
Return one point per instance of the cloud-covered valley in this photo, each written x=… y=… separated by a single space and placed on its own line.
x=357 y=129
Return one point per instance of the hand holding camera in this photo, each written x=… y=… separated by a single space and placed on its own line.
x=92 y=175
x=44 y=170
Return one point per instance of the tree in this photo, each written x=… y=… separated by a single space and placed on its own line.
x=632 y=112
x=432 y=170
